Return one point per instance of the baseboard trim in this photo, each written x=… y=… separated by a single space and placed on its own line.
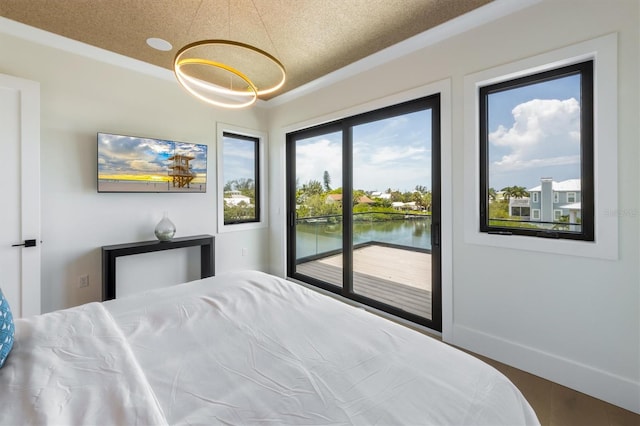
x=592 y=381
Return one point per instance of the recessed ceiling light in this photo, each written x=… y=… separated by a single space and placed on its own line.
x=159 y=44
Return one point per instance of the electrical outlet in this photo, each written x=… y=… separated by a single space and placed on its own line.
x=244 y=251
x=83 y=281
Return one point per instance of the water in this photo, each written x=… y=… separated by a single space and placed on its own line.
x=321 y=237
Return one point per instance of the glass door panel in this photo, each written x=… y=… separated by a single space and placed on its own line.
x=318 y=207
x=363 y=196
x=392 y=197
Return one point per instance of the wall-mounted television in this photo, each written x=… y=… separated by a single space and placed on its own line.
x=138 y=164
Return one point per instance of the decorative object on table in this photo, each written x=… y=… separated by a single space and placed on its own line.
x=165 y=229
x=7 y=329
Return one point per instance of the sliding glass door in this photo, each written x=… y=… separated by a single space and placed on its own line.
x=363 y=206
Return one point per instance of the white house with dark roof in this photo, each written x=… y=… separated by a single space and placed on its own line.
x=551 y=200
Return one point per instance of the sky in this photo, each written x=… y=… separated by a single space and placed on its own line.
x=129 y=157
x=534 y=132
x=391 y=153
x=239 y=159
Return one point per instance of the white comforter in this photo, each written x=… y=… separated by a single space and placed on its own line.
x=74 y=367
x=244 y=348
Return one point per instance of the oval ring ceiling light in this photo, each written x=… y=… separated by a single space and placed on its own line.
x=204 y=90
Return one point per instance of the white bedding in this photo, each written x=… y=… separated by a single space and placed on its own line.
x=245 y=348
x=74 y=367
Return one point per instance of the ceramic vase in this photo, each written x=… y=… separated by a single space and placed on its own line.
x=165 y=229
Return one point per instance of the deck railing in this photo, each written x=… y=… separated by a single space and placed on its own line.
x=321 y=236
x=535 y=224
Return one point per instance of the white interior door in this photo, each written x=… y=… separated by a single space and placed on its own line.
x=20 y=194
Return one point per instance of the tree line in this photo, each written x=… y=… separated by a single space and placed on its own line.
x=311 y=199
x=509 y=192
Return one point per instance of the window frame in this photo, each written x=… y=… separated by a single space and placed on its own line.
x=604 y=51
x=587 y=117
x=242 y=133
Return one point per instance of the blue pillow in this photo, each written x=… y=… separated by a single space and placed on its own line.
x=7 y=329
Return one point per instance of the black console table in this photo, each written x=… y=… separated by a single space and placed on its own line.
x=111 y=253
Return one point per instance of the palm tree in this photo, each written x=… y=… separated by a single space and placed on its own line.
x=519 y=192
x=507 y=192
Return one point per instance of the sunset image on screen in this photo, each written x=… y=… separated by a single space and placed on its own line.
x=135 y=164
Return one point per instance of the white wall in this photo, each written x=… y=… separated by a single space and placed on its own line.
x=571 y=319
x=81 y=96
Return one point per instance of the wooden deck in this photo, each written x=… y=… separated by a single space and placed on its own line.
x=397 y=277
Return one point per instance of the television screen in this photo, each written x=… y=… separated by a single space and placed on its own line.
x=135 y=164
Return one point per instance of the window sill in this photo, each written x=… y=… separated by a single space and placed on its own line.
x=603 y=250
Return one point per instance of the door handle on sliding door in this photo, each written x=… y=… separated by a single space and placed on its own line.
x=435 y=235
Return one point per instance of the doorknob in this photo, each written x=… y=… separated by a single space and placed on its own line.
x=27 y=243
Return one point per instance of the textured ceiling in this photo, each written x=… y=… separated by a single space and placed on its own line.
x=310 y=37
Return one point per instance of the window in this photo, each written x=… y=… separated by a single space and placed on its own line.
x=535 y=214
x=241 y=171
x=519 y=211
x=571 y=197
x=603 y=52
x=536 y=134
x=534 y=197
x=240 y=179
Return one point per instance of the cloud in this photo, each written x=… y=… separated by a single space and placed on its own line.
x=545 y=132
x=399 y=167
x=238 y=148
x=388 y=154
x=313 y=158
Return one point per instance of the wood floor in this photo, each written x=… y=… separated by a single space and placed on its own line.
x=397 y=277
x=557 y=405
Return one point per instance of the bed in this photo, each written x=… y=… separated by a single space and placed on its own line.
x=243 y=348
